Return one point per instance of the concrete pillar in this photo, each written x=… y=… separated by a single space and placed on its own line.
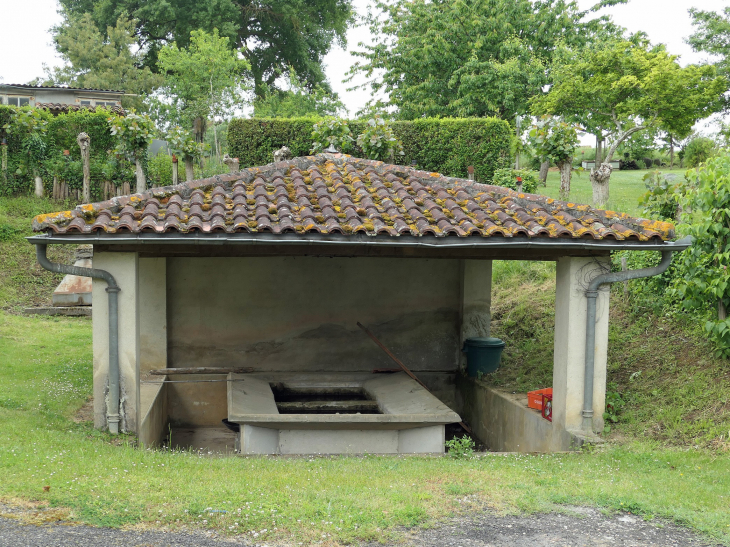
x=124 y=268
x=572 y=278
x=152 y=313
x=476 y=298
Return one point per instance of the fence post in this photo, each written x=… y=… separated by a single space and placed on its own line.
x=174 y=169
x=4 y=146
x=84 y=142
x=470 y=170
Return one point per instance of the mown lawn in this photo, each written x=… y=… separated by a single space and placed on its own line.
x=625 y=189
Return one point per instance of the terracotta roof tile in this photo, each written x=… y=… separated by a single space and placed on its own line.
x=337 y=194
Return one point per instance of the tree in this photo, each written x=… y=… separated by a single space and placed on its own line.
x=134 y=133
x=272 y=34
x=556 y=140
x=31 y=126
x=99 y=61
x=202 y=81
x=469 y=58
x=297 y=101
x=182 y=144
x=712 y=36
x=623 y=87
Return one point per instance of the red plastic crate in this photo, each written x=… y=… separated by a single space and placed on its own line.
x=534 y=398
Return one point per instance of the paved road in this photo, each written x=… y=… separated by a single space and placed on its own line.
x=585 y=528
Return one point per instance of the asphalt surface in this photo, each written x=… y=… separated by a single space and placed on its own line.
x=583 y=528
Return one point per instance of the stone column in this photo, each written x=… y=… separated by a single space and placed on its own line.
x=572 y=278
x=124 y=268
x=476 y=300
x=152 y=313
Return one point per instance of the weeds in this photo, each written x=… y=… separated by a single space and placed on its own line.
x=461 y=448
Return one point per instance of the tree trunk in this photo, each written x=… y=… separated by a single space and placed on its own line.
x=544 y=166
x=599 y=180
x=38 y=184
x=141 y=182
x=566 y=170
x=84 y=143
x=599 y=150
x=189 y=172
x=671 y=152
x=199 y=126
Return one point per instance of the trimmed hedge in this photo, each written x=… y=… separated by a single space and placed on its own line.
x=444 y=145
x=61 y=135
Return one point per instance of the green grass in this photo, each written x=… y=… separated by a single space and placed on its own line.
x=23 y=282
x=625 y=189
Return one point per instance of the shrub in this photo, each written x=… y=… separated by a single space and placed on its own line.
x=507 y=178
x=331 y=132
x=159 y=170
x=698 y=151
x=446 y=146
x=378 y=142
x=662 y=196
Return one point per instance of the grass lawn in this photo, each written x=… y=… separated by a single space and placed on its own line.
x=625 y=189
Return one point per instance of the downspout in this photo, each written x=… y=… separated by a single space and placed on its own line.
x=592 y=295
x=112 y=416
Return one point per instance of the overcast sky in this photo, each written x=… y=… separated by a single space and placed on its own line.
x=25 y=40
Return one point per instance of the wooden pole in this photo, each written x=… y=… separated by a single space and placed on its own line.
x=401 y=365
x=84 y=142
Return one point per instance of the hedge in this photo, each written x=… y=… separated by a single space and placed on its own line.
x=61 y=135
x=444 y=145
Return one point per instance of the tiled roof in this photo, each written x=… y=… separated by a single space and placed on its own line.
x=57 y=108
x=332 y=194
x=31 y=86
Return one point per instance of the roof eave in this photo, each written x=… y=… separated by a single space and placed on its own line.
x=270 y=239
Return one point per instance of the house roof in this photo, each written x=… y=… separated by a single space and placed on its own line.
x=30 y=86
x=335 y=194
x=57 y=108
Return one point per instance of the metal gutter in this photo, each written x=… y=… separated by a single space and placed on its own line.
x=428 y=242
x=591 y=296
x=112 y=290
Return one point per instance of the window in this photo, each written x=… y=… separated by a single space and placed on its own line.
x=19 y=101
x=96 y=102
x=85 y=103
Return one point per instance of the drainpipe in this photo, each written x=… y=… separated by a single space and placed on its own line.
x=112 y=416
x=591 y=295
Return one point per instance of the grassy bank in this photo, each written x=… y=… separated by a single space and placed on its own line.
x=23 y=282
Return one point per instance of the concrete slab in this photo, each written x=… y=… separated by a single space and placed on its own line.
x=213 y=440
x=74 y=290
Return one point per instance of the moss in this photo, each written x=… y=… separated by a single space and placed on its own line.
x=368 y=226
x=251 y=202
x=341 y=215
x=360 y=211
x=252 y=224
x=273 y=210
x=319 y=218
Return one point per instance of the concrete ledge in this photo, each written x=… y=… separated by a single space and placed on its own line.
x=153 y=409
x=71 y=311
x=505 y=423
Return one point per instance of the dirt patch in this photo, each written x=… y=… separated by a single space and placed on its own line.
x=85 y=413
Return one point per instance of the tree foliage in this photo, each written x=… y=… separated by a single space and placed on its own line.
x=297 y=101
x=628 y=86
x=273 y=34
x=101 y=61
x=706 y=276
x=202 y=81
x=712 y=35
x=469 y=58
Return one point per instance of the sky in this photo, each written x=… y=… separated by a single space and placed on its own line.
x=24 y=31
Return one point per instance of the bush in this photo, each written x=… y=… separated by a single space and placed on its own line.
x=698 y=151
x=446 y=146
x=332 y=132
x=662 y=196
x=378 y=142
x=507 y=178
x=159 y=170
